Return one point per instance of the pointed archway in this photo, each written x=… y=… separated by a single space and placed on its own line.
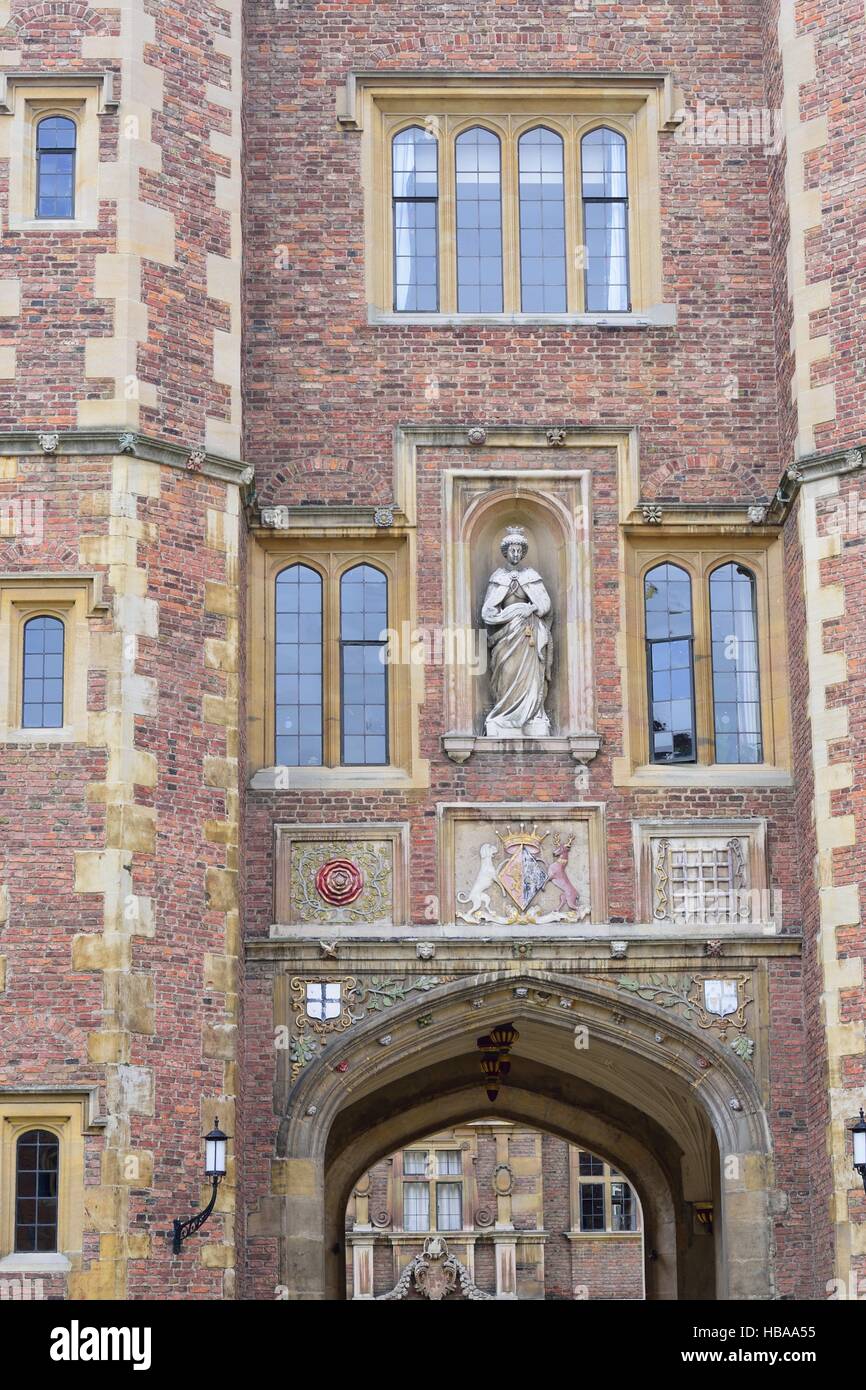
x=677 y=1112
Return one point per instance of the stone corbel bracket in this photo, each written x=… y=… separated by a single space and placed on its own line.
x=583 y=747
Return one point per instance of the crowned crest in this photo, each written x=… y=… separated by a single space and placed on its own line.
x=524 y=872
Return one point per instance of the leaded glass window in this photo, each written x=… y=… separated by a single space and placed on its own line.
x=37 y=1164
x=298 y=667
x=605 y=220
x=479 y=221
x=55 y=167
x=364 y=685
x=449 y=1162
x=670 y=664
x=541 y=173
x=449 y=1206
x=592 y=1206
x=416 y=1206
x=622 y=1207
x=415 y=197
x=42 y=691
x=736 y=680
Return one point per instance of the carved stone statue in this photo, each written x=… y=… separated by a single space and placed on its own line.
x=519 y=642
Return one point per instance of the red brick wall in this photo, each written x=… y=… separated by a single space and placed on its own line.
x=59 y=309
x=49 y=813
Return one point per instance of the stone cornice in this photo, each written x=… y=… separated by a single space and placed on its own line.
x=670 y=105
x=61 y=77
x=809 y=469
x=110 y=443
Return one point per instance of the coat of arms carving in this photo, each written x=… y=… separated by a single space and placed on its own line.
x=524 y=880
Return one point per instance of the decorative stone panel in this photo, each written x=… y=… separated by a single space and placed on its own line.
x=511 y=864
x=331 y=876
x=702 y=874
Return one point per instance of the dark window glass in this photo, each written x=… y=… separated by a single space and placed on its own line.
x=589 y=1165
x=605 y=220
x=415 y=192
x=736 y=684
x=622 y=1207
x=298 y=667
x=541 y=172
x=55 y=167
x=592 y=1206
x=670 y=664
x=42 y=702
x=364 y=687
x=37 y=1159
x=479 y=222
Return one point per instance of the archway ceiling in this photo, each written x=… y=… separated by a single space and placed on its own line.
x=637 y=1080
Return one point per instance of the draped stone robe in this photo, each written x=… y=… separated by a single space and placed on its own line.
x=520 y=650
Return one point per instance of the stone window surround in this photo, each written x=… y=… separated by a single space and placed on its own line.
x=328 y=549
x=67 y=1115
x=28 y=98
x=72 y=598
x=699 y=549
x=638 y=105
x=575 y=1179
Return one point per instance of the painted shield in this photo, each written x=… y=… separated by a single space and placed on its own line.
x=523 y=875
x=323 y=1000
x=721 y=997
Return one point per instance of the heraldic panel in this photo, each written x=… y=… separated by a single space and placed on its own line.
x=529 y=865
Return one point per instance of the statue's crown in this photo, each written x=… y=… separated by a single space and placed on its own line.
x=515 y=535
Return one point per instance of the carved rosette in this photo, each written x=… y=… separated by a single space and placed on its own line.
x=339 y=882
x=353 y=884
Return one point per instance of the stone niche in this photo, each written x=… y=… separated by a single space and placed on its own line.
x=522 y=865
x=552 y=509
x=333 y=876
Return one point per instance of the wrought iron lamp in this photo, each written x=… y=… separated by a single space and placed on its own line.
x=215 y=1145
x=858 y=1132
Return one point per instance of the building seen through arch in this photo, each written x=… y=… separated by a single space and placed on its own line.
x=529 y=1215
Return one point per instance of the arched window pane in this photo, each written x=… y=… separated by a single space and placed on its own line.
x=37 y=1161
x=364 y=685
x=298 y=667
x=670 y=664
x=541 y=167
x=479 y=222
x=415 y=191
x=42 y=692
x=605 y=220
x=736 y=682
x=55 y=167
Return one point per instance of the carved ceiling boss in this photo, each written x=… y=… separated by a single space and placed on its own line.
x=520 y=645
